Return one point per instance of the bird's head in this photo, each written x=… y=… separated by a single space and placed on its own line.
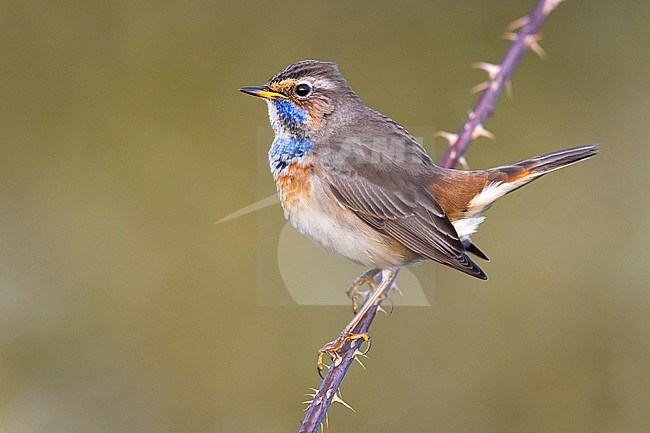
x=304 y=97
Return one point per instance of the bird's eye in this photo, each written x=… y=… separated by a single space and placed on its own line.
x=303 y=89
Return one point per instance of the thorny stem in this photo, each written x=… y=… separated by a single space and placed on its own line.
x=327 y=392
x=525 y=38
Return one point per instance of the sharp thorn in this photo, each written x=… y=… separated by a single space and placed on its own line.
x=480 y=131
x=532 y=42
x=550 y=5
x=337 y=399
x=356 y=358
x=491 y=69
x=463 y=163
x=478 y=88
x=518 y=23
x=450 y=137
x=360 y=353
x=509 y=89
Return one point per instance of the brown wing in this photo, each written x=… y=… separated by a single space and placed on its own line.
x=402 y=210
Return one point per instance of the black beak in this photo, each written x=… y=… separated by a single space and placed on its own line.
x=261 y=92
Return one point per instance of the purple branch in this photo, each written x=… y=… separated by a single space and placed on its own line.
x=327 y=392
x=527 y=37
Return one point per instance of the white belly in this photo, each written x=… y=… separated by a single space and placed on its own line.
x=337 y=229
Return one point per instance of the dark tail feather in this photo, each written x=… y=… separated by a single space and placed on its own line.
x=543 y=164
x=471 y=248
x=521 y=173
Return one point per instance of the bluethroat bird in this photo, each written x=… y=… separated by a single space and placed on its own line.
x=358 y=184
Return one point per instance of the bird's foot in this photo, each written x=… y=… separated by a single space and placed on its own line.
x=354 y=293
x=334 y=347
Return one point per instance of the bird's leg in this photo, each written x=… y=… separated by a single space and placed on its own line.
x=334 y=347
x=367 y=277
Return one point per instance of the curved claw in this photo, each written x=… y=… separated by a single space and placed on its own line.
x=353 y=292
x=334 y=347
x=356 y=295
x=320 y=366
x=369 y=341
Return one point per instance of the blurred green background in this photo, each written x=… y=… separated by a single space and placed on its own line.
x=124 y=308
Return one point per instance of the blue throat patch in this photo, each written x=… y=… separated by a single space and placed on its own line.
x=284 y=151
x=289 y=111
